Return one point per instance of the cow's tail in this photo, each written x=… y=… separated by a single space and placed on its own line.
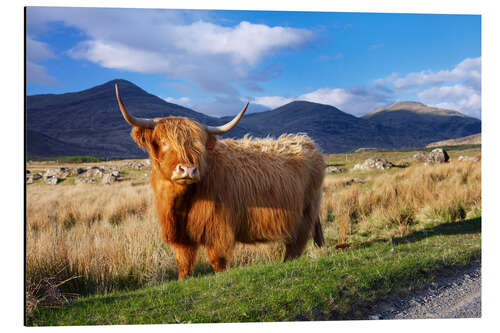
x=318 y=237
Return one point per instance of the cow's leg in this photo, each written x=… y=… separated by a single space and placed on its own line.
x=186 y=258
x=219 y=258
x=295 y=247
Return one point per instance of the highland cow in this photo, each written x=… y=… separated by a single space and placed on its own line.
x=213 y=193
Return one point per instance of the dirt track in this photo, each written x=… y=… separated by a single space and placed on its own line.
x=458 y=296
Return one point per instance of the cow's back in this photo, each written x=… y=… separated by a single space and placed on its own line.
x=257 y=189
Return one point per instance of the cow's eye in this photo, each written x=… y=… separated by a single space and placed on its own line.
x=165 y=145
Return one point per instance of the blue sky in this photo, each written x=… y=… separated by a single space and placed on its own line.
x=213 y=61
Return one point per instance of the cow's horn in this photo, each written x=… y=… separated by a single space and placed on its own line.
x=226 y=127
x=139 y=122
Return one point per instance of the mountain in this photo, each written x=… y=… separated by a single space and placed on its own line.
x=474 y=139
x=419 y=124
x=89 y=122
x=333 y=130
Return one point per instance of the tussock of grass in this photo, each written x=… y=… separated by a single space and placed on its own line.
x=395 y=202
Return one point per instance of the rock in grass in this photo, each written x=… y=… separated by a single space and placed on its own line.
x=52 y=180
x=110 y=178
x=438 y=155
x=374 y=163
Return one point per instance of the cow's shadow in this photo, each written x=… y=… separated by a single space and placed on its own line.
x=202 y=269
x=468 y=226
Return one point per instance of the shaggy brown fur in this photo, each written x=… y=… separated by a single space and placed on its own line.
x=251 y=190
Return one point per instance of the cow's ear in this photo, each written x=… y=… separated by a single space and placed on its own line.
x=143 y=137
x=211 y=141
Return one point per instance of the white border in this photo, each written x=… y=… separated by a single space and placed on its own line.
x=12 y=91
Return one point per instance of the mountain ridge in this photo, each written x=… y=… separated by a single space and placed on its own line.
x=90 y=120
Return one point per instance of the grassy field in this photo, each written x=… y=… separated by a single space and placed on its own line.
x=94 y=253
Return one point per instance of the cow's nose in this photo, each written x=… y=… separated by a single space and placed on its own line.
x=183 y=171
x=193 y=172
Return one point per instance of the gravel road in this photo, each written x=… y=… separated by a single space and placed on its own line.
x=457 y=296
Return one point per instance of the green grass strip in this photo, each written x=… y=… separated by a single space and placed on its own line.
x=342 y=285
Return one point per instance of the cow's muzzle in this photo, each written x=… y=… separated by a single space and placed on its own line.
x=185 y=175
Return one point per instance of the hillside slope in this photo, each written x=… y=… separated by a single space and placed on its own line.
x=474 y=139
x=420 y=125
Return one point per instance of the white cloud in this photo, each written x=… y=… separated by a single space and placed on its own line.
x=185 y=101
x=119 y=56
x=245 y=42
x=387 y=79
x=38 y=74
x=212 y=56
x=469 y=69
x=272 y=102
x=37 y=51
x=458 y=97
x=456 y=89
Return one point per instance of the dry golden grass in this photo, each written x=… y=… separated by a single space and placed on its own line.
x=108 y=236
x=388 y=204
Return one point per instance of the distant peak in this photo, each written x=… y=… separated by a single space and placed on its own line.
x=306 y=103
x=415 y=107
x=119 y=81
x=407 y=103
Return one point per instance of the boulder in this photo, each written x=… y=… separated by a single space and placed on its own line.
x=49 y=173
x=438 y=155
x=64 y=172
x=95 y=172
x=52 y=180
x=374 y=163
x=30 y=179
x=60 y=173
x=110 y=178
x=137 y=165
x=332 y=169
